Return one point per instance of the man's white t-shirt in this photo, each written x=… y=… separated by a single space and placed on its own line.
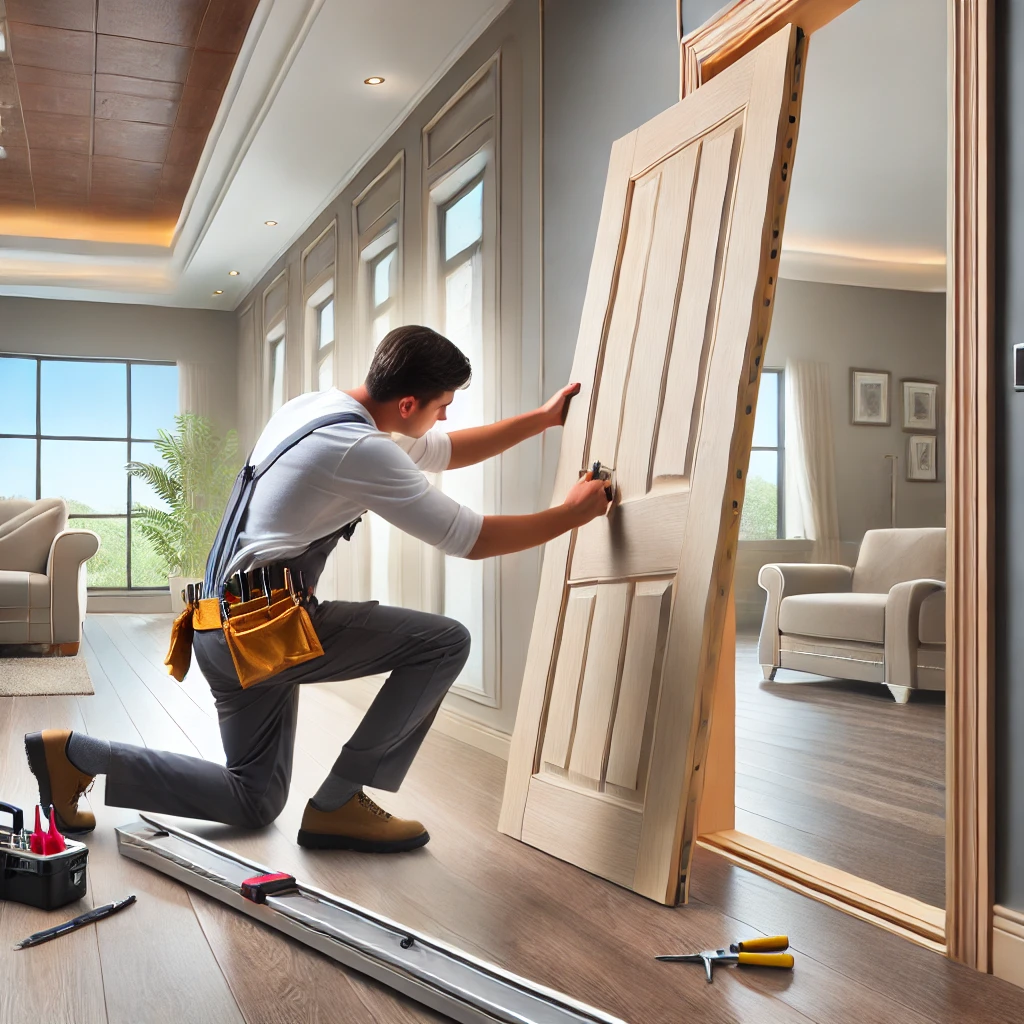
x=338 y=472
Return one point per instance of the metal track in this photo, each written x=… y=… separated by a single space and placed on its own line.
x=440 y=976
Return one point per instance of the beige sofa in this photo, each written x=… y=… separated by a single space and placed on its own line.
x=883 y=621
x=42 y=575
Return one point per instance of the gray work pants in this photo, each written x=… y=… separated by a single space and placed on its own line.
x=424 y=654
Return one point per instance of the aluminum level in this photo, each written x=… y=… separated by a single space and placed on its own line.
x=446 y=979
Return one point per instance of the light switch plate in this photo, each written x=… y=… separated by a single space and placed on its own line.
x=1018 y=367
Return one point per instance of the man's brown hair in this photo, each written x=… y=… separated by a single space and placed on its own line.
x=416 y=361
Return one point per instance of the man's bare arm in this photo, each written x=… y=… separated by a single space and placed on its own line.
x=501 y=535
x=475 y=444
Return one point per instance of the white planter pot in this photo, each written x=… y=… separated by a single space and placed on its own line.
x=177 y=585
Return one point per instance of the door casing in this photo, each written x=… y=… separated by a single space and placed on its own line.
x=970 y=461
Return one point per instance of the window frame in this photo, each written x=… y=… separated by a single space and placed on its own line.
x=780 y=449
x=128 y=440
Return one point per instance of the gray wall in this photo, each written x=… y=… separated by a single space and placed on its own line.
x=878 y=329
x=1009 y=221
x=121 y=331
x=609 y=66
x=516 y=32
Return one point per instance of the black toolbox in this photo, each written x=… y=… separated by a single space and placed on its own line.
x=40 y=881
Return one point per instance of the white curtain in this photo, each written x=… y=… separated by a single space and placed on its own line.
x=812 y=510
x=195 y=393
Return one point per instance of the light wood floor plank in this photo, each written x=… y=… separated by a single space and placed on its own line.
x=60 y=981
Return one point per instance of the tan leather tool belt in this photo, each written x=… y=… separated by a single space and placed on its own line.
x=264 y=637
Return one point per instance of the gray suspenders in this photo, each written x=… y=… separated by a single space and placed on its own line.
x=233 y=519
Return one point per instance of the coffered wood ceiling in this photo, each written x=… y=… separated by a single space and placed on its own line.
x=105 y=107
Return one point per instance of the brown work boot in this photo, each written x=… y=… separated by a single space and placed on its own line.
x=60 y=782
x=359 y=825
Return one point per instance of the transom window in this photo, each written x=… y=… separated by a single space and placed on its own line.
x=323 y=357
x=763 y=503
x=68 y=427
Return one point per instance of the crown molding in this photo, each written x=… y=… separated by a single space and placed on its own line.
x=921 y=275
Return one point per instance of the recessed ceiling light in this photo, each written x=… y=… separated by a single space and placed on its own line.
x=271 y=223
x=3 y=37
x=219 y=291
x=3 y=153
x=373 y=80
x=233 y=273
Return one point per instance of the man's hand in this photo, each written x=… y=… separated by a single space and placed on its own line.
x=587 y=499
x=501 y=535
x=556 y=408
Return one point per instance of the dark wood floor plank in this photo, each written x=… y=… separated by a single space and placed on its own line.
x=492 y=896
x=910 y=975
x=837 y=771
x=275 y=979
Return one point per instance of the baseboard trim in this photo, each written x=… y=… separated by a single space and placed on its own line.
x=360 y=693
x=146 y=603
x=919 y=922
x=1008 y=944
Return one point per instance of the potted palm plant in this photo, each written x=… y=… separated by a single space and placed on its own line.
x=195 y=480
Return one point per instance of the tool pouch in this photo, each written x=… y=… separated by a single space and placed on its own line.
x=179 y=656
x=268 y=639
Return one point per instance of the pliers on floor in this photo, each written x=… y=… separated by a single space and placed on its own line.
x=763 y=952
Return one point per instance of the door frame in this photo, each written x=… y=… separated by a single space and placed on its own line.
x=970 y=468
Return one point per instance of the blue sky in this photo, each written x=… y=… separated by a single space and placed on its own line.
x=81 y=398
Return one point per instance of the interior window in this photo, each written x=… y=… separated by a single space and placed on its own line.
x=763 y=502
x=461 y=272
x=276 y=350
x=383 y=293
x=324 y=355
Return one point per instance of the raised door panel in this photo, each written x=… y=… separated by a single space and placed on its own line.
x=612 y=723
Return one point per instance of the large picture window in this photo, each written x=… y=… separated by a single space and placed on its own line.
x=68 y=427
x=763 y=503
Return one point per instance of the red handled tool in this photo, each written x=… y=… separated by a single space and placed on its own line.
x=260 y=887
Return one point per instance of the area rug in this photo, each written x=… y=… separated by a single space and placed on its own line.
x=44 y=677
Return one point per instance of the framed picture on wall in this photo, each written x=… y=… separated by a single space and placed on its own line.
x=869 y=398
x=921 y=457
x=920 y=405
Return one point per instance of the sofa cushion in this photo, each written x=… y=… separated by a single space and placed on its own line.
x=24 y=608
x=27 y=529
x=859 y=617
x=932 y=626
x=888 y=557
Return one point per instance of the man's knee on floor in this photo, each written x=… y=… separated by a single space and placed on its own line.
x=258 y=810
x=456 y=639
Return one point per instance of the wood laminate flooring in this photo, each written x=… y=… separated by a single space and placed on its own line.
x=836 y=770
x=178 y=956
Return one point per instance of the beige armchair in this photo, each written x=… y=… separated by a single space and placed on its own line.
x=883 y=621
x=42 y=575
